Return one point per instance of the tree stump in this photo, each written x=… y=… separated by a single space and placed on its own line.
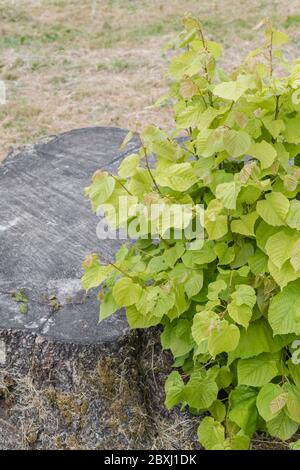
x=66 y=381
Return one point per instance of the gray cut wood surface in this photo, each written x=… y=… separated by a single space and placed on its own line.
x=47 y=228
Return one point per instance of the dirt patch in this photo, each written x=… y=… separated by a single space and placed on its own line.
x=78 y=63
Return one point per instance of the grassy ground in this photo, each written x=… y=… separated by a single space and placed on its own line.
x=76 y=63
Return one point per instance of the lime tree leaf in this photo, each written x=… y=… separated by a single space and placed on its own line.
x=211 y=433
x=243 y=251
x=241 y=314
x=293 y=217
x=214 y=289
x=173 y=388
x=292 y=130
x=280 y=246
x=258 y=262
x=274 y=209
x=244 y=294
x=228 y=193
x=217 y=228
x=295 y=445
x=218 y=410
x=236 y=143
x=256 y=371
x=279 y=38
x=200 y=392
x=245 y=225
x=203 y=324
x=282 y=426
x=257 y=339
x=136 y=319
x=284 y=275
x=233 y=90
x=292 y=402
x=264 y=152
x=178 y=176
x=101 y=188
x=194 y=284
x=156 y=301
x=126 y=292
x=129 y=165
x=199 y=256
x=108 y=306
x=177 y=337
x=189 y=117
x=239 y=442
x=275 y=127
x=223 y=338
x=243 y=412
x=284 y=311
x=224 y=377
x=266 y=396
x=95 y=273
x=224 y=252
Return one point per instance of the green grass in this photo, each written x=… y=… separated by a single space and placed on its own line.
x=292 y=20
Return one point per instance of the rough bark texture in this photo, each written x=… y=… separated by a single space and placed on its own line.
x=66 y=381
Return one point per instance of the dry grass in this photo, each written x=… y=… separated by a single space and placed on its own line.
x=76 y=63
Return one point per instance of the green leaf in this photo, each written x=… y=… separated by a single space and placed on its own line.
x=200 y=392
x=179 y=176
x=292 y=130
x=108 y=306
x=136 y=319
x=236 y=143
x=233 y=90
x=214 y=289
x=256 y=371
x=228 y=193
x=101 y=188
x=217 y=228
x=203 y=324
x=243 y=410
x=223 y=338
x=177 y=337
x=292 y=402
x=245 y=225
x=282 y=426
x=284 y=311
x=173 y=388
x=264 y=152
x=266 y=396
x=224 y=252
x=211 y=433
x=126 y=292
x=241 y=314
x=257 y=339
x=218 y=410
x=129 y=165
x=295 y=445
x=293 y=217
x=156 y=301
x=258 y=262
x=244 y=294
x=95 y=273
x=280 y=246
x=194 y=284
x=273 y=209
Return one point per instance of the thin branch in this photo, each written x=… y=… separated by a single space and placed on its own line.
x=123 y=186
x=150 y=172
